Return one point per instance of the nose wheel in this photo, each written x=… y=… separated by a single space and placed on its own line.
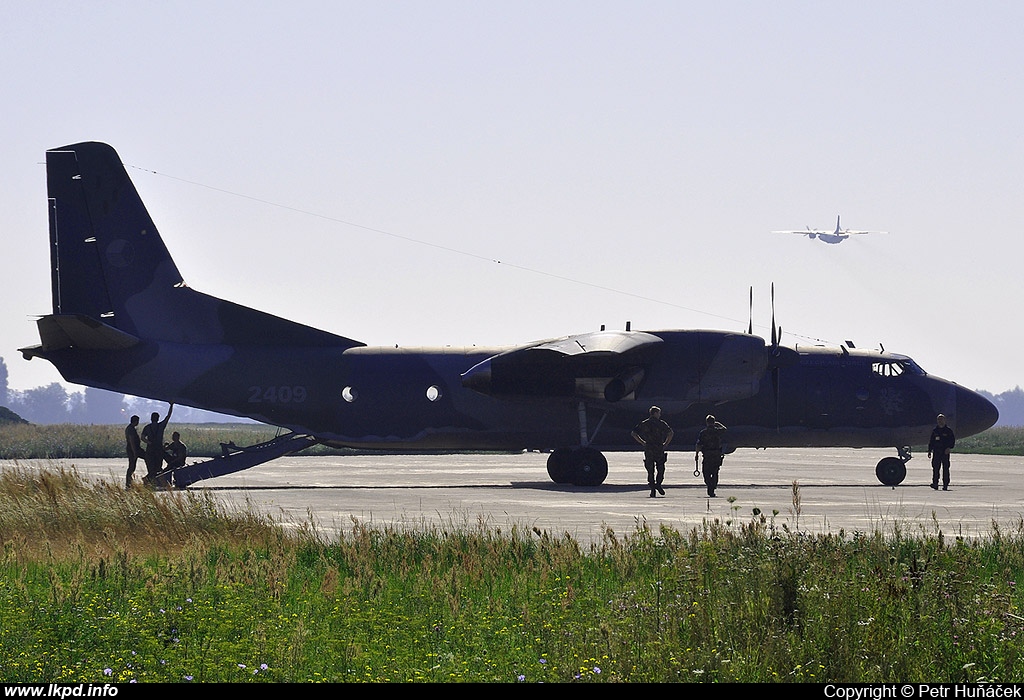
x=891 y=471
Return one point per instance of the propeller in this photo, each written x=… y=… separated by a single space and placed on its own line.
x=776 y=332
x=773 y=360
x=774 y=355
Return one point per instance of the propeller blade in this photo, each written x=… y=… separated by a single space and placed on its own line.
x=775 y=392
x=750 y=315
x=774 y=359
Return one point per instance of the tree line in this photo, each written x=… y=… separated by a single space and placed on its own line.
x=53 y=404
x=1010 y=404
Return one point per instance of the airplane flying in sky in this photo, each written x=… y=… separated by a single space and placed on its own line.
x=837 y=236
x=123 y=319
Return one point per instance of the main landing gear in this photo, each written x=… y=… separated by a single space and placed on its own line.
x=582 y=466
x=891 y=471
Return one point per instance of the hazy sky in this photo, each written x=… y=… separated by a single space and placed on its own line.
x=625 y=161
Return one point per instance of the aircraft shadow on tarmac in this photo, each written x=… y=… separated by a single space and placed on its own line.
x=548 y=486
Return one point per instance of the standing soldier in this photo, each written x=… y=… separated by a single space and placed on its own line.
x=941 y=444
x=655 y=435
x=153 y=435
x=709 y=441
x=134 y=448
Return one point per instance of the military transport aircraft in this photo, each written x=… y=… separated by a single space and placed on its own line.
x=837 y=236
x=123 y=319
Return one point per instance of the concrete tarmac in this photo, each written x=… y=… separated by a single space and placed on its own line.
x=836 y=489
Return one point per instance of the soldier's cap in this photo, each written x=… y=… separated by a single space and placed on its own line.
x=653 y=409
x=709 y=419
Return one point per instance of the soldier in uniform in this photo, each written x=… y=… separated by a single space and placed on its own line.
x=175 y=452
x=153 y=436
x=655 y=435
x=133 y=447
x=939 y=447
x=709 y=441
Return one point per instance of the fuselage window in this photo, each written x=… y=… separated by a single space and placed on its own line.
x=433 y=393
x=350 y=394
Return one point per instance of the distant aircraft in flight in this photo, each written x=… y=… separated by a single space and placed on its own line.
x=837 y=236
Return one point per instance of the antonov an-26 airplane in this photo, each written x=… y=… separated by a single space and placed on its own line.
x=123 y=319
x=837 y=236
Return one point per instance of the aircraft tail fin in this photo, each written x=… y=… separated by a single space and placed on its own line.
x=104 y=248
x=109 y=263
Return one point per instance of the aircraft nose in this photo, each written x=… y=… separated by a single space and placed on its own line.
x=974 y=413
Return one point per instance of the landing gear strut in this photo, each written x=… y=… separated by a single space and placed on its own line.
x=891 y=471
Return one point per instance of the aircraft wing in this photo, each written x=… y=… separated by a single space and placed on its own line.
x=560 y=367
x=805 y=232
x=594 y=344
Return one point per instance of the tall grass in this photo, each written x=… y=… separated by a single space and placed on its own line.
x=102 y=584
x=51 y=510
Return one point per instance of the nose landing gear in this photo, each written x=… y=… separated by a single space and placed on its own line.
x=891 y=471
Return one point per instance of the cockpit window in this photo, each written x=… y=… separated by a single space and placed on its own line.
x=913 y=368
x=888 y=369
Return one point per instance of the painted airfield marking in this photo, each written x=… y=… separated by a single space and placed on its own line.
x=838 y=490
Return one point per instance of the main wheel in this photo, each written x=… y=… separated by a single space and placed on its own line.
x=560 y=465
x=590 y=467
x=891 y=471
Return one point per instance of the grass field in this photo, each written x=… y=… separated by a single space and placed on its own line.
x=994 y=441
x=99 y=584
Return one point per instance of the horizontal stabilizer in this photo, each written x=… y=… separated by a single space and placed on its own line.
x=60 y=331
